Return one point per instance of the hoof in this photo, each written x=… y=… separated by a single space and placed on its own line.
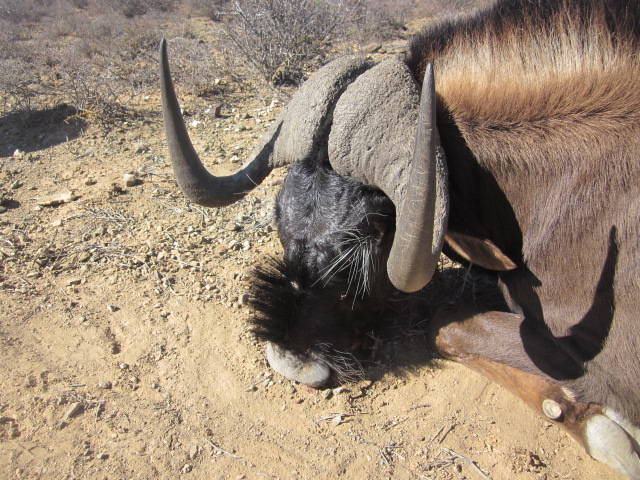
x=299 y=368
x=609 y=442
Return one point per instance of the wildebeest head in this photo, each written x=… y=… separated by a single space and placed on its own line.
x=364 y=206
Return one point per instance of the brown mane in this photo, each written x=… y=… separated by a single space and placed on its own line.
x=546 y=74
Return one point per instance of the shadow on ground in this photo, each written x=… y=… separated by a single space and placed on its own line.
x=400 y=342
x=34 y=130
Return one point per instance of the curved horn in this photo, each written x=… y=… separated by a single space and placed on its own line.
x=415 y=251
x=368 y=141
x=193 y=178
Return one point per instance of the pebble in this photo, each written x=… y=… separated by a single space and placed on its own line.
x=105 y=385
x=140 y=147
x=129 y=179
x=187 y=468
x=57 y=199
x=193 y=452
x=73 y=410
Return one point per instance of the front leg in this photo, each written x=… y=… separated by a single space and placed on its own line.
x=492 y=344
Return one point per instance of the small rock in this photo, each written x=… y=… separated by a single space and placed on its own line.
x=102 y=456
x=84 y=257
x=193 y=452
x=232 y=226
x=112 y=308
x=57 y=199
x=105 y=385
x=187 y=468
x=365 y=384
x=73 y=281
x=372 y=48
x=74 y=410
x=140 y=147
x=89 y=181
x=129 y=179
x=244 y=299
x=115 y=190
x=124 y=366
x=327 y=394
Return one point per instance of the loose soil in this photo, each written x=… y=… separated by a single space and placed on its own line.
x=126 y=349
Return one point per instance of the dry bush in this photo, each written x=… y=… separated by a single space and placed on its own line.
x=96 y=59
x=17 y=11
x=278 y=38
x=135 y=8
x=196 y=67
x=15 y=88
x=213 y=9
x=442 y=8
x=378 y=19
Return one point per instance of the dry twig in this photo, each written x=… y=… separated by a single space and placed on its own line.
x=220 y=450
x=468 y=461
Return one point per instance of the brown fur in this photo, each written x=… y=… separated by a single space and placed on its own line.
x=539 y=115
x=551 y=85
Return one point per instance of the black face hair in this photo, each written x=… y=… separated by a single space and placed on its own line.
x=274 y=296
x=332 y=282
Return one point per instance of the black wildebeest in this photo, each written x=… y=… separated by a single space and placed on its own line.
x=524 y=161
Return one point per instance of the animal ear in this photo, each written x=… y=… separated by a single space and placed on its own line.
x=481 y=252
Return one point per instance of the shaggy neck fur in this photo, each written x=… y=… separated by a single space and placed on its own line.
x=546 y=73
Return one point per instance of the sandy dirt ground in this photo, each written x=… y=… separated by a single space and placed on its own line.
x=125 y=344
